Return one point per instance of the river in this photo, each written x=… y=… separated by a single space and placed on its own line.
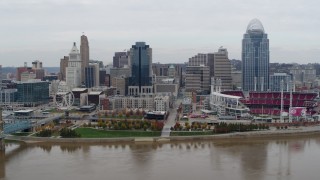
x=293 y=159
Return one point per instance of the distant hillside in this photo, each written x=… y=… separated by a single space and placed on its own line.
x=52 y=69
x=6 y=70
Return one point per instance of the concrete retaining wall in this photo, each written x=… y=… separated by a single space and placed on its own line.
x=230 y=136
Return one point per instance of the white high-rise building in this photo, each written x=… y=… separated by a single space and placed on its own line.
x=73 y=71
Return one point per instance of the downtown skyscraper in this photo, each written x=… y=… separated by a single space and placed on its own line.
x=73 y=71
x=255 y=58
x=84 y=53
x=141 y=69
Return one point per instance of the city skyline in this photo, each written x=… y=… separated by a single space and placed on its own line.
x=176 y=31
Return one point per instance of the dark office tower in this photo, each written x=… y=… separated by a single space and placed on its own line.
x=255 y=58
x=84 y=53
x=120 y=59
x=102 y=77
x=90 y=72
x=140 y=65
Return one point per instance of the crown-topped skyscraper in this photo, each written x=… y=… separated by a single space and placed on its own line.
x=255 y=58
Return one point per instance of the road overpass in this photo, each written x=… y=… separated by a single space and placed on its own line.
x=16 y=125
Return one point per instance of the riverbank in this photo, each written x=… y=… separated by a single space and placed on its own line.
x=268 y=134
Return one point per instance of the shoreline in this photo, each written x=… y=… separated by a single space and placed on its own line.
x=252 y=135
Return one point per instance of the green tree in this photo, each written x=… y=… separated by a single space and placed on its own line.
x=145 y=127
x=100 y=123
x=44 y=133
x=68 y=133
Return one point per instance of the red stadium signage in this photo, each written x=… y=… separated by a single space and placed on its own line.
x=298 y=111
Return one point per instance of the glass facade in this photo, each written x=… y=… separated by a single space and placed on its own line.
x=141 y=60
x=33 y=93
x=255 y=58
x=89 y=76
x=275 y=81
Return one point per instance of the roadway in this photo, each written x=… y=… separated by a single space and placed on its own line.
x=171 y=120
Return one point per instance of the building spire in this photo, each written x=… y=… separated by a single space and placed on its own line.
x=74 y=48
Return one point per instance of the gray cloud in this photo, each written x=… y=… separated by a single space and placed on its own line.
x=176 y=30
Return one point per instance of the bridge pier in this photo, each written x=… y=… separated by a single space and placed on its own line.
x=2 y=145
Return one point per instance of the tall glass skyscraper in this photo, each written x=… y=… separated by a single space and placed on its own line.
x=141 y=65
x=255 y=58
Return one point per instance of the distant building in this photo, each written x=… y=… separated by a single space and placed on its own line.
x=166 y=85
x=8 y=96
x=199 y=59
x=236 y=79
x=186 y=106
x=77 y=95
x=120 y=59
x=275 y=82
x=222 y=68
x=50 y=78
x=33 y=93
x=73 y=71
x=84 y=54
x=26 y=76
x=95 y=96
x=92 y=75
x=122 y=102
x=255 y=58
x=121 y=84
x=38 y=69
x=198 y=79
x=303 y=74
x=219 y=66
x=102 y=77
x=163 y=69
x=63 y=67
x=89 y=76
x=141 y=69
x=171 y=71
x=21 y=70
x=119 y=72
x=105 y=104
x=161 y=103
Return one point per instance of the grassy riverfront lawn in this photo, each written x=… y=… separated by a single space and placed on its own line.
x=21 y=134
x=97 y=133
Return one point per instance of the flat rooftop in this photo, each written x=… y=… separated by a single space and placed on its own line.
x=79 y=89
x=95 y=92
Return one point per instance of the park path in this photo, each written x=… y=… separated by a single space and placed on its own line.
x=171 y=120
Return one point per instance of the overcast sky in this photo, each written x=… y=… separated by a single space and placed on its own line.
x=175 y=29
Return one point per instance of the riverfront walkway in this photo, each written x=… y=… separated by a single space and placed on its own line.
x=171 y=120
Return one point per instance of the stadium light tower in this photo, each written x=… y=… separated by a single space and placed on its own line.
x=290 y=114
x=281 y=87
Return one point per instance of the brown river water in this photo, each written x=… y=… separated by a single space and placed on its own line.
x=291 y=158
